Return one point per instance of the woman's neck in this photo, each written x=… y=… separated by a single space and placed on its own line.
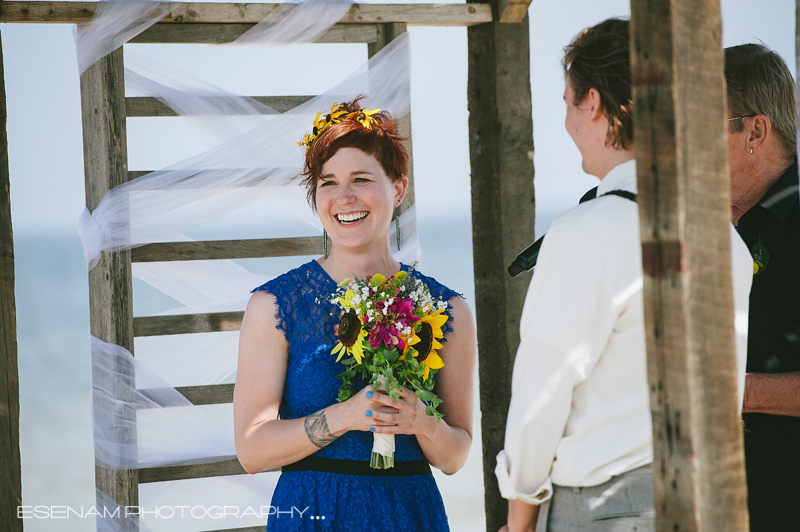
x=343 y=264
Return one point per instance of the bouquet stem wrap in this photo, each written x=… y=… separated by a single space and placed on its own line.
x=382 y=451
x=382 y=444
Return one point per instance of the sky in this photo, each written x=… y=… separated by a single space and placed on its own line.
x=44 y=124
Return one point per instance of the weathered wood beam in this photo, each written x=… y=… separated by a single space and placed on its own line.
x=110 y=282
x=797 y=64
x=211 y=394
x=230 y=466
x=187 y=323
x=512 y=11
x=228 y=249
x=225 y=33
x=10 y=471
x=145 y=106
x=500 y=145
x=684 y=207
x=210 y=12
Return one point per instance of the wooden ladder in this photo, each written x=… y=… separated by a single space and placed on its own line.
x=104 y=108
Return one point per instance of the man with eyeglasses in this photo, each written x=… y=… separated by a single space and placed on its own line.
x=764 y=196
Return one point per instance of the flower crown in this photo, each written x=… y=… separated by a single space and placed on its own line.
x=337 y=115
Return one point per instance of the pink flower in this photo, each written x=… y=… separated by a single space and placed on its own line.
x=384 y=331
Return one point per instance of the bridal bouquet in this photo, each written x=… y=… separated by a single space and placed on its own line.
x=388 y=332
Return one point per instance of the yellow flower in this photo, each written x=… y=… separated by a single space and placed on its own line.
x=347 y=299
x=356 y=350
x=351 y=335
x=425 y=342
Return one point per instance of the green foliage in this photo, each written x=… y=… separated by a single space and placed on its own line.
x=384 y=367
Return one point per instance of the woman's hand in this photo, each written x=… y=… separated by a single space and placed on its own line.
x=404 y=415
x=365 y=410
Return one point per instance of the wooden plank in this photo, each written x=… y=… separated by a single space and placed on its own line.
x=513 y=11
x=246 y=529
x=231 y=466
x=684 y=208
x=144 y=106
x=500 y=141
x=110 y=282
x=228 y=249
x=226 y=33
x=212 y=12
x=212 y=394
x=10 y=470
x=187 y=323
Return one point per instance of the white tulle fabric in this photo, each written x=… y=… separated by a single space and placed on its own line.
x=140 y=420
x=165 y=204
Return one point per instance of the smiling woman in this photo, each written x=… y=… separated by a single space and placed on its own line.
x=285 y=403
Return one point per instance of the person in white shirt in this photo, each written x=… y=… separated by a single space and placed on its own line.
x=579 y=432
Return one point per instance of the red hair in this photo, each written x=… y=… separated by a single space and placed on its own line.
x=382 y=141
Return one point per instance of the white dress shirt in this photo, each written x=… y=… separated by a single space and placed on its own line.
x=580 y=406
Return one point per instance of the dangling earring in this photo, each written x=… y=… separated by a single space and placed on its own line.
x=325 y=243
x=751 y=151
x=397 y=228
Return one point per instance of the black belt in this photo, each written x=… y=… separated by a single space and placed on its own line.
x=358 y=467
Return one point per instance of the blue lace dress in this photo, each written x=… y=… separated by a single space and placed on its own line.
x=333 y=501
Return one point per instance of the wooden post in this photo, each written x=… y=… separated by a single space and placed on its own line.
x=501 y=149
x=386 y=34
x=684 y=207
x=797 y=64
x=110 y=285
x=10 y=472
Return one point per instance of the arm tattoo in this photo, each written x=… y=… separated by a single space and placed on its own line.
x=317 y=429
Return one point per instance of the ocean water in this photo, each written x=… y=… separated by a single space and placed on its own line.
x=55 y=379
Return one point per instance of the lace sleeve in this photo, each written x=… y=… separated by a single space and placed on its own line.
x=277 y=288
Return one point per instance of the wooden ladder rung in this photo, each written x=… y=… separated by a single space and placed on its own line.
x=228 y=249
x=245 y=529
x=187 y=323
x=230 y=466
x=200 y=33
x=146 y=106
x=210 y=394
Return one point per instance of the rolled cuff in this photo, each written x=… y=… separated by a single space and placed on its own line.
x=507 y=489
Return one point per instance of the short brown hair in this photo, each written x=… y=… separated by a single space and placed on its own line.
x=759 y=82
x=599 y=58
x=382 y=141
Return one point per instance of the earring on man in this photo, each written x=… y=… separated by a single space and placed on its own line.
x=751 y=151
x=324 y=244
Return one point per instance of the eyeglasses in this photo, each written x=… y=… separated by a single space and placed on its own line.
x=739 y=117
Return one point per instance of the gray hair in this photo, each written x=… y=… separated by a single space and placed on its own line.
x=759 y=82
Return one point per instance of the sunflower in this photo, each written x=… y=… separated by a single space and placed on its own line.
x=425 y=342
x=351 y=334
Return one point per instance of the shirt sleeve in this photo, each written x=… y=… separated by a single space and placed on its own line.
x=566 y=322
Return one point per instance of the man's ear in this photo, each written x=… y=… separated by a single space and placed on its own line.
x=757 y=130
x=594 y=104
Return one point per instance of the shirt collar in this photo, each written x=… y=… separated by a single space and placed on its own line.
x=621 y=177
x=780 y=199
